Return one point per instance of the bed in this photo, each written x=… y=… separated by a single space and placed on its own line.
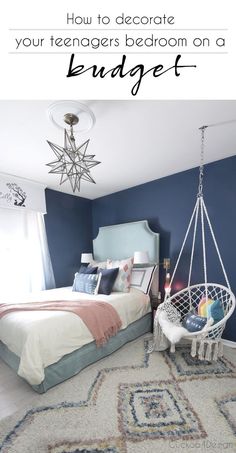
x=45 y=348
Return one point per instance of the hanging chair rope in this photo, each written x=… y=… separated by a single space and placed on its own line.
x=192 y=251
x=193 y=244
x=215 y=243
x=203 y=246
x=200 y=195
x=185 y=238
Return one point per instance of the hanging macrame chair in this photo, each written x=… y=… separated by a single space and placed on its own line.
x=206 y=343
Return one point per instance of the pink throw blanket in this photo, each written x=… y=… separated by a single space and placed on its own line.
x=101 y=318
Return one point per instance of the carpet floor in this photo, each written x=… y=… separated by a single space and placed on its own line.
x=133 y=402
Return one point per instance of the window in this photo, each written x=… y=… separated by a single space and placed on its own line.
x=25 y=263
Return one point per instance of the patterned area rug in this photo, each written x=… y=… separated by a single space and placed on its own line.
x=133 y=402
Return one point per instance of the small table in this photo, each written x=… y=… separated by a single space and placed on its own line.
x=155 y=302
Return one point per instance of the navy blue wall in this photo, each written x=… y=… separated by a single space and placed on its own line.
x=69 y=231
x=167 y=204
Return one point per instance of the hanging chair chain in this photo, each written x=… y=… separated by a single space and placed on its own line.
x=201 y=168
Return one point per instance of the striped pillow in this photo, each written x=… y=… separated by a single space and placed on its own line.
x=86 y=283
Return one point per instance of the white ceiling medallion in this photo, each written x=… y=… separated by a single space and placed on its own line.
x=57 y=110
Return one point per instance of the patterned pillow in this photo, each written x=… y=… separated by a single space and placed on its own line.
x=123 y=279
x=86 y=283
x=173 y=315
x=194 y=323
x=141 y=278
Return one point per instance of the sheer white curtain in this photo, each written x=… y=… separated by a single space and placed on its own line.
x=25 y=263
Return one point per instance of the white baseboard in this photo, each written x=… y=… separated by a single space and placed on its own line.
x=231 y=344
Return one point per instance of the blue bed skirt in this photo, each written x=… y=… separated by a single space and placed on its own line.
x=71 y=364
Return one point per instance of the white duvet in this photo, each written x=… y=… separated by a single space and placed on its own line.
x=42 y=338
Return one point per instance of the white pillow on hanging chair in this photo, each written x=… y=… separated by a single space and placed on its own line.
x=172 y=331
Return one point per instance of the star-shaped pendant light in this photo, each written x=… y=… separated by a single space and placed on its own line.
x=72 y=162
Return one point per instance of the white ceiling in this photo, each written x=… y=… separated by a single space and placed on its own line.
x=136 y=141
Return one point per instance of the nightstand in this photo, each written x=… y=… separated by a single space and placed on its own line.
x=155 y=302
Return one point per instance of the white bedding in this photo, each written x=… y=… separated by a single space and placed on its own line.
x=42 y=338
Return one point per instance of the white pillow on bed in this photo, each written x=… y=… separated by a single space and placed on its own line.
x=142 y=277
x=99 y=264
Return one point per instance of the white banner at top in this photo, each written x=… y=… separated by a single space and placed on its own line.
x=18 y=193
x=100 y=49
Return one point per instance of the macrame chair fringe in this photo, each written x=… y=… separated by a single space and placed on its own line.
x=220 y=353
x=194 y=348
x=201 y=350
x=216 y=352
x=159 y=342
x=209 y=350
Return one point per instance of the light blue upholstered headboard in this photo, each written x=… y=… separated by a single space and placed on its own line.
x=121 y=241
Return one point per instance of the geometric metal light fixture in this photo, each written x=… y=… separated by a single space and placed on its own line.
x=72 y=162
